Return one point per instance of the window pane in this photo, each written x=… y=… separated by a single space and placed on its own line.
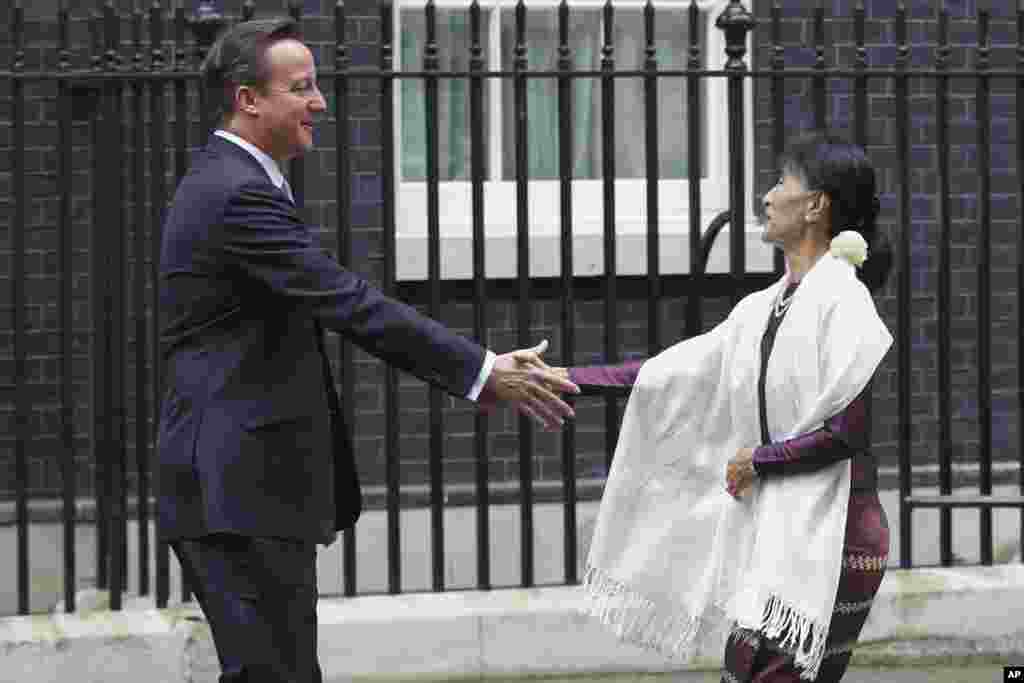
x=453 y=41
x=542 y=93
x=586 y=35
x=672 y=46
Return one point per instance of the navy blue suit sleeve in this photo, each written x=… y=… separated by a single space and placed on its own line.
x=265 y=242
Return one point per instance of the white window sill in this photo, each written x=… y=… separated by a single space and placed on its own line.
x=501 y=251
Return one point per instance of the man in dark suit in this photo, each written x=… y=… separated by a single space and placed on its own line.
x=255 y=468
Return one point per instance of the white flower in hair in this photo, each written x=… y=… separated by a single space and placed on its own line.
x=850 y=246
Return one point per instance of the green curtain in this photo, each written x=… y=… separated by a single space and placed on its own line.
x=542 y=94
x=453 y=96
x=672 y=44
x=413 y=137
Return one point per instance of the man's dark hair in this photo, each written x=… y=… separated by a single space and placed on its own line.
x=239 y=57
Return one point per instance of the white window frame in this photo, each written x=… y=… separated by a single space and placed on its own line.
x=588 y=223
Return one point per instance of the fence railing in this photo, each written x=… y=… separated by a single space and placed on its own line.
x=129 y=83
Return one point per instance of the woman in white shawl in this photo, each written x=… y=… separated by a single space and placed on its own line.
x=742 y=495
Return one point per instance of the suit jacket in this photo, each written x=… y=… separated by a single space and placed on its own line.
x=247 y=443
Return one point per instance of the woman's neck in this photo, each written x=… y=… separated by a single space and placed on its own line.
x=802 y=258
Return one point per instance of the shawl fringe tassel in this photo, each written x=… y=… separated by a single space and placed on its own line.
x=638 y=620
x=797 y=634
x=634 y=618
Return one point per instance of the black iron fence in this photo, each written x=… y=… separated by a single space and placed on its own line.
x=128 y=86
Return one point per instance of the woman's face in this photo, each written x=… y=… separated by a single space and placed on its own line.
x=787 y=208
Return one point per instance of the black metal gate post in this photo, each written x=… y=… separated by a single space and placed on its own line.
x=110 y=241
x=139 y=276
x=18 y=304
x=736 y=22
x=158 y=199
x=523 y=303
x=480 y=317
x=344 y=237
x=695 y=164
x=904 y=282
x=67 y=459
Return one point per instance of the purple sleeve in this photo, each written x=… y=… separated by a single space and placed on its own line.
x=843 y=436
x=621 y=375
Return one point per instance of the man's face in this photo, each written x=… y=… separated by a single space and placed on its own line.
x=290 y=102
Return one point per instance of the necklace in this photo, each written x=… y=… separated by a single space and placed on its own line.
x=782 y=303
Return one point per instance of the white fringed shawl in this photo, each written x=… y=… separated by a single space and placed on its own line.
x=674 y=557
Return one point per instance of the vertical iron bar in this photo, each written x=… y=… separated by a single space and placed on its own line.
x=983 y=102
x=119 y=293
x=114 y=259
x=387 y=132
x=523 y=274
x=68 y=469
x=568 y=312
x=205 y=125
x=736 y=22
x=139 y=300
x=248 y=10
x=344 y=236
x=21 y=406
x=297 y=166
x=430 y=66
x=695 y=146
x=205 y=27
x=477 y=171
x=903 y=294
x=860 y=84
x=1020 y=258
x=945 y=239
x=158 y=194
x=778 y=105
x=180 y=97
x=181 y=151
x=651 y=157
x=820 y=90
x=96 y=278
x=611 y=321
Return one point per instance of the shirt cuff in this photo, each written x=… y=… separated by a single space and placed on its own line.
x=481 y=380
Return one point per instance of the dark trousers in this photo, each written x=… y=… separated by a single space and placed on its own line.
x=259 y=597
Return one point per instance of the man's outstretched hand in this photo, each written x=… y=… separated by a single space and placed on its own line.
x=521 y=378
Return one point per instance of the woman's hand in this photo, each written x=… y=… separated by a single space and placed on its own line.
x=561 y=372
x=740 y=474
x=531 y=358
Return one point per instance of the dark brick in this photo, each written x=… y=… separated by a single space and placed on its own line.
x=365 y=213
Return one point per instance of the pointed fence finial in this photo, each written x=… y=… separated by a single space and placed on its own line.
x=736 y=22
x=206 y=24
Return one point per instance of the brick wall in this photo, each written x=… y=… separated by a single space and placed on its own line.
x=363 y=37
x=799 y=40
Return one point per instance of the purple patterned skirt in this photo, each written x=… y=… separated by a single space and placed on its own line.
x=753 y=658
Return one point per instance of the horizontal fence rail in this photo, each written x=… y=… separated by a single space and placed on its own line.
x=139 y=94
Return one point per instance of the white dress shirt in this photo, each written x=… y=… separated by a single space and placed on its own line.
x=278 y=179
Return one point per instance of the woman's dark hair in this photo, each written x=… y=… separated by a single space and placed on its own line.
x=239 y=57
x=842 y=170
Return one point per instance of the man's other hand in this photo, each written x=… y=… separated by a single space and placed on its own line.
x=522 y=379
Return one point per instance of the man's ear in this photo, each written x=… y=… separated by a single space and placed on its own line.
x=245 y=100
